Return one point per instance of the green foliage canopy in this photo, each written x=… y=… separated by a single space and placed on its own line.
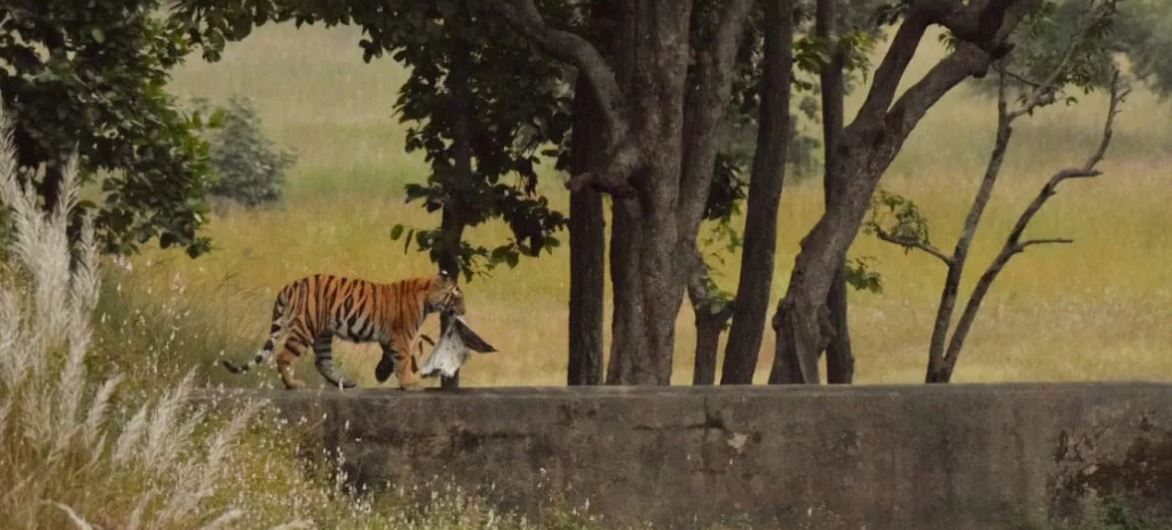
x=91 y=76
x=518 y=102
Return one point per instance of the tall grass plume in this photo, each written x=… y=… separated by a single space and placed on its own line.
x=67 y=457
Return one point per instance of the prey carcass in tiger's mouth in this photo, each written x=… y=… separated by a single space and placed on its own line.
x=451 y=352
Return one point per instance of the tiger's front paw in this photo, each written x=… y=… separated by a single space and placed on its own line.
x=385 y=367
x=410 y=383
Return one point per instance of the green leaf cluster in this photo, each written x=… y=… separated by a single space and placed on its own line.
x=898 y=217
x=90 y=77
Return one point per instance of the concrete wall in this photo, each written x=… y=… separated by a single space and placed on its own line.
x=971 y=456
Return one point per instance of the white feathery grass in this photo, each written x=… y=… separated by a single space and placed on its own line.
x=294 y=525
x=62 y=434
x=222 y=521
x=73 y=517
x=4 y=408
x=96 y=415
x=135 y=520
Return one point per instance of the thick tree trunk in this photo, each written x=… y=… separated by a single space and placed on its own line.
x=587 y=247
x=873 y=140
x=647 y=290
x=643 y=102
x=765 y=186
x=840 y=360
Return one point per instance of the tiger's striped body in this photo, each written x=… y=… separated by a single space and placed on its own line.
x=315 y=309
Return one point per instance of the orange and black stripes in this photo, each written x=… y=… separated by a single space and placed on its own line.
x=312 y=311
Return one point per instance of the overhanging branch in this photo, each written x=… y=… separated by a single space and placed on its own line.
x=622 y=158
x=572 y=49
x=1020 y=247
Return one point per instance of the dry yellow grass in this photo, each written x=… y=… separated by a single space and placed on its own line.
x=1099 y=309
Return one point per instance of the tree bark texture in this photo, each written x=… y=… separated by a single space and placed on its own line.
x=872 y=141
x=587 y=247
x=626 y=341
x=705 y=127
x=765 y=186
x=840 y=359
x=710 y=323
x=452 y=222
x=712 y=315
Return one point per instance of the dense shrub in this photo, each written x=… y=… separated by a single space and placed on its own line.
x=248 y=167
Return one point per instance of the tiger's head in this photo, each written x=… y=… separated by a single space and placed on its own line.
x=444 y=295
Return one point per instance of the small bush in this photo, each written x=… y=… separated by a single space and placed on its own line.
x=249 y=168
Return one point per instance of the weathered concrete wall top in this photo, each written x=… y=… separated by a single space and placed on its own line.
x=958 y=456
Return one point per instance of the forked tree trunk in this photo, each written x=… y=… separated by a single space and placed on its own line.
x=840 y=360
x=641 y=91
x=872 y=141
x=705 y=128
x=765 y=186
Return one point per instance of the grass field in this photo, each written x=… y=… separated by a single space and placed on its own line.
x=1098 y=309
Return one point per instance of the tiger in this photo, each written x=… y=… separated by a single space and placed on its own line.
x=317 y=308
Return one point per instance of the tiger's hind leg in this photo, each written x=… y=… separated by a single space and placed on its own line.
x=323 y=359
x=295 y=345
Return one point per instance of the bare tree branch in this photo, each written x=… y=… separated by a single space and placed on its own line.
x=1041 y=94
x=1014 y=245
x=1001 y=69
x=908 y=242
x=1020 y=247
x=891 y=70
x=1044 y=93
x=572 y=49
x=1119 y=93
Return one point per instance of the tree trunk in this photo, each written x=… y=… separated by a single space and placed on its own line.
x=626 y=343
x=872 y=141
x=587 y=247
x=712 y=314
x=452 y=222
x=709 y=326
x=840 y=360
x=642 y=99
x=705 y=128
x=647 y=291
x=765 y=186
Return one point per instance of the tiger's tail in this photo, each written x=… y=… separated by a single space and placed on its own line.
x=280 y=322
